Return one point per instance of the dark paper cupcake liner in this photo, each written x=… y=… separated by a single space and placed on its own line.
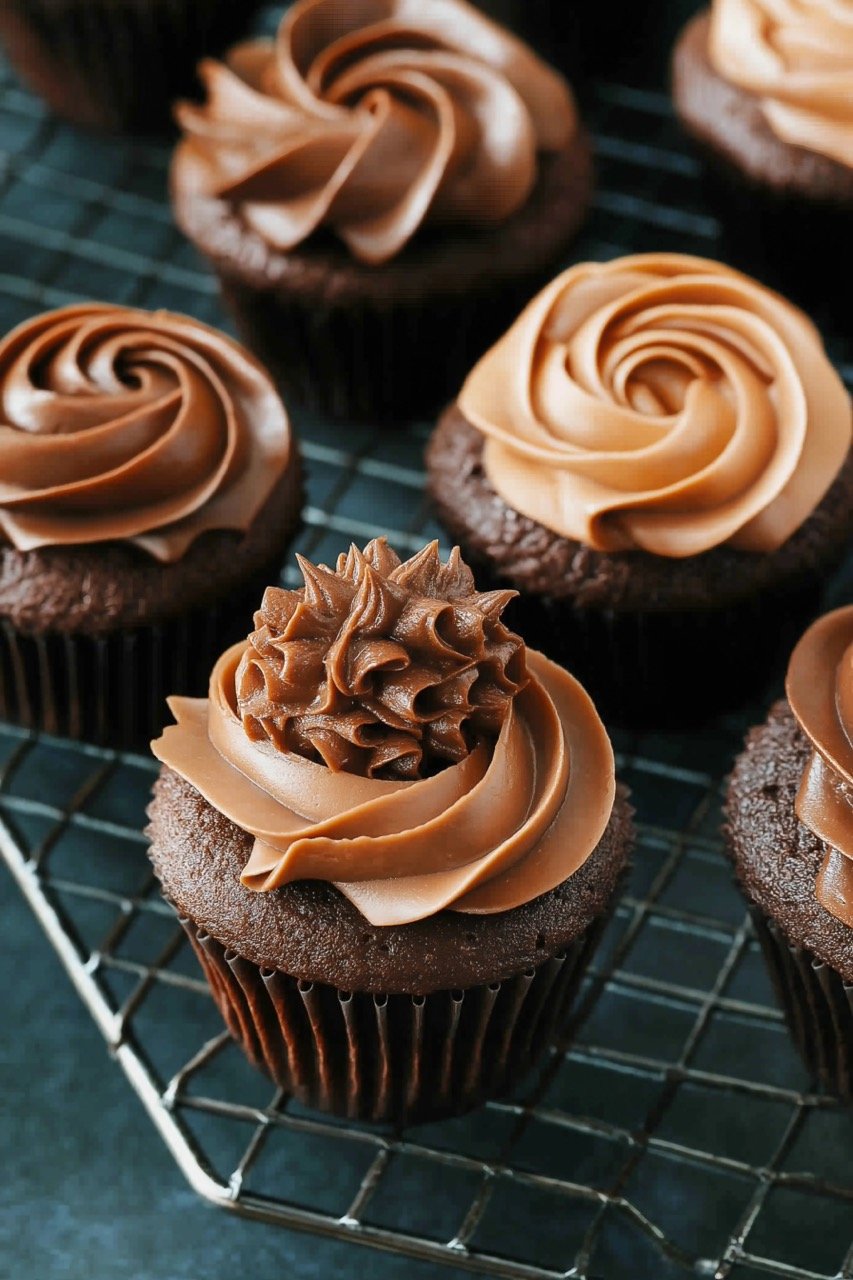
x=818 y=1006
x=669 y=668
x=111 y=689
x=392 y=1057
x=366 y=362
x=117 y=64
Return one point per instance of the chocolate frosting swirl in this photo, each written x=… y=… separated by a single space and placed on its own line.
x=820 y=690
x=797 y=57
x=371 y=118
x=510 y=820
x=664 y=403
x=144 y=427
x=383 y=669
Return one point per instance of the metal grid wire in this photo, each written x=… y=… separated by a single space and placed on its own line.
x=680 y=1131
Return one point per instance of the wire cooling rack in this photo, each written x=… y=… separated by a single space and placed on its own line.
x=680 y=1133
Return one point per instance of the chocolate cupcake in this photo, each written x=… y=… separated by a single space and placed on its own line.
x=392 y=836
x=117 y=64
x=790 y=835
x=379 y=190
x=657 y=457
x=765 y=91
x=149 y=485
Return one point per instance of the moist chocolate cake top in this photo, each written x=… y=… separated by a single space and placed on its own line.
x=309 y=930
x=520 y=552
x=105 y=587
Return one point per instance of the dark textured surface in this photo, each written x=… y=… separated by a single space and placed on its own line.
x=117 y=64
x=729 y=120
x=108 y=586
x=538 y=561
x=310 y=931
x=775 y=856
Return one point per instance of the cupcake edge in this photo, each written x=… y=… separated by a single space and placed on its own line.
x=727 y=123
x=809 y=954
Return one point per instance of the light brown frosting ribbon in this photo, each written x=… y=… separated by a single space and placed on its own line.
x=122 y=424
x=509 y=822
x=371 y=118
x=820 y=690
x=664 y=403
x=797 y=57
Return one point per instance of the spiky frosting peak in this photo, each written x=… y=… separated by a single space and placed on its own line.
x=381 y=667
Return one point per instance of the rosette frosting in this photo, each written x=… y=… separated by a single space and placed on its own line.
x=381 y=669
x=820 y=690
x=144 y=427
x=663 y=403
x=797 y=57
x=370 y=118
x=515 y=815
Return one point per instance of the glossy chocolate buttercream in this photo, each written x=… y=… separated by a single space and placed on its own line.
x=820 y=690
x=381 y=669
x=124 y=425
x=372 y=118
x=664 y=403
x=511 y=819
x=796 y=56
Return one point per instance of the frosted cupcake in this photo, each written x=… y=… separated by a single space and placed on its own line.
x=789 y=833
x=149 y=483
x=379 y=188
x=393 y=836
x=656 y=456
x=764 y=88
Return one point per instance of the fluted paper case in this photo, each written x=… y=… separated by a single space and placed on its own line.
x=403 y=1058
x=818 y=1006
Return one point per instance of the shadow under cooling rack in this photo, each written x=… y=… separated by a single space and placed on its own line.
x=679 y=1133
